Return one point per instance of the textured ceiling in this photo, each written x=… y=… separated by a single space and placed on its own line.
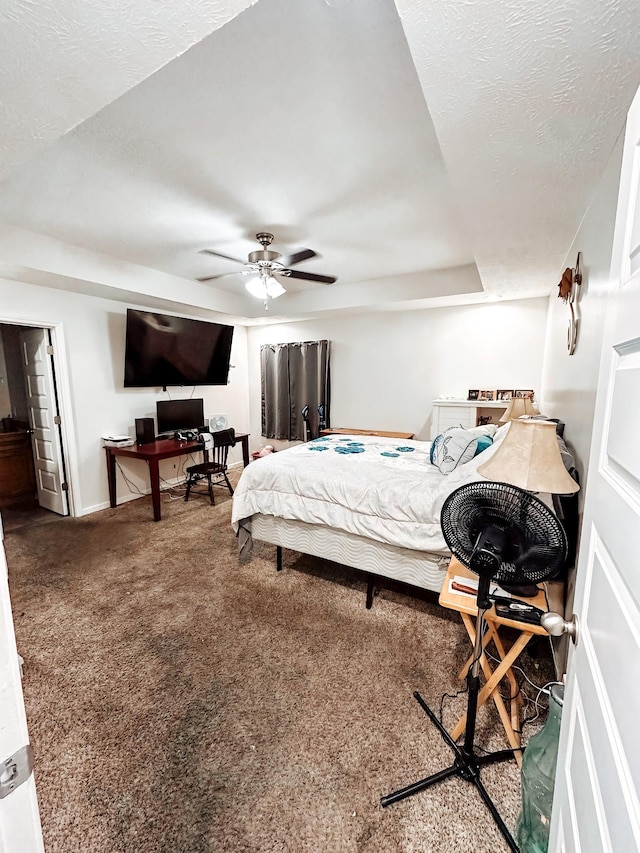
x=527 y=99
x=444 y=153
x=63 y=60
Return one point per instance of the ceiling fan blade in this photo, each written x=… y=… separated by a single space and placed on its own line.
x=309 y=276
x=220 y=255
x=297 y=257
x=211 y=277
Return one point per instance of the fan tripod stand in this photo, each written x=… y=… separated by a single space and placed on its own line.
x=466 y=763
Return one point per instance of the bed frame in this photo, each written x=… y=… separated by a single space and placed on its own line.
x=423 y=569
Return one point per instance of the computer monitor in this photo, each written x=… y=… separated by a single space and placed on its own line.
x=175 y=415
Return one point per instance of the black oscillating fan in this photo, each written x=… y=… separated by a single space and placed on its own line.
x=502 y=533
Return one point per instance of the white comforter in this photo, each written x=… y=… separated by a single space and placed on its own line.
x=389 y=491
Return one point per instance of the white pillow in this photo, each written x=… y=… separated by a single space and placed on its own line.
x=485 y=429
x=452 y=448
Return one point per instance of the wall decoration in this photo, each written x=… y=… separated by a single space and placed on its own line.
x=473 y=394
x=486 y=395
x=523 y=393
x=568 y=291
x=504 y=395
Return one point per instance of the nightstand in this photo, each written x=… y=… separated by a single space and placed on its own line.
x=466 y=606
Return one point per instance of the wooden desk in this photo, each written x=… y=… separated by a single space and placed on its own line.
x=243 y=439
x=466 y=606
x=381 y=433
x=153 y=453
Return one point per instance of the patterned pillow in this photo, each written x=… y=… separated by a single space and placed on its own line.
x=453 y=447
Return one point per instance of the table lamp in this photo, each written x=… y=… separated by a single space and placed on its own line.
x=517 y=407
x=529 y=457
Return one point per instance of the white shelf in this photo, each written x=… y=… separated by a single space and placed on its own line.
x=464 y=413
x=484 y=404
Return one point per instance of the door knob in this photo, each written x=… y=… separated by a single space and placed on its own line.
x=556 y=625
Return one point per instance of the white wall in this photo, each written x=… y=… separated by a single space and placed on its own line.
x=569 y=382
x=93 y=332
x=386 y=369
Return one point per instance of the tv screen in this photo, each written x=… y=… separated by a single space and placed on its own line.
x=175 y=415
x=161 y=350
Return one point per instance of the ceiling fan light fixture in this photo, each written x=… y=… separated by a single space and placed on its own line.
x=265 y=287
x=265 y=262
x=273 y=287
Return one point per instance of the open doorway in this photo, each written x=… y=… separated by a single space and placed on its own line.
x=34 y=482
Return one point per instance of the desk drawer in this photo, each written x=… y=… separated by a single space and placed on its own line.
x=464 y=416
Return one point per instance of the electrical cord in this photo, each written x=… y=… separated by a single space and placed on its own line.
x=540 y=691
x=168 y=487
x=522 y=672
x=181 y=472
x=450 y=696
x=464 y=689
x=528 y=699
x=131 y=486
x=193 y=391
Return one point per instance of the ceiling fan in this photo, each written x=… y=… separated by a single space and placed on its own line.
x=264 y=264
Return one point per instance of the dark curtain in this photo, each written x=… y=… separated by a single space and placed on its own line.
x=294 y=376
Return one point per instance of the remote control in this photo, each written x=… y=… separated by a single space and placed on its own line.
x=520 y=611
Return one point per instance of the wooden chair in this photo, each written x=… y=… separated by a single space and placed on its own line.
x=213 y=470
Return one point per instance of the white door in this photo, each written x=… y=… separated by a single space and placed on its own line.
x=596 y=805
x=19 y=817
x=44 y=420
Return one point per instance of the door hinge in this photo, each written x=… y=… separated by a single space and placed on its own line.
x=15 y=770
x=49 y=350
x=57 y=419
x=65 y=487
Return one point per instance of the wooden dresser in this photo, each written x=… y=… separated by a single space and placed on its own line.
x=378 y=432
x=17 y=477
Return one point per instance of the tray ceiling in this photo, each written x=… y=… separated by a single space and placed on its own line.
x=429 y=152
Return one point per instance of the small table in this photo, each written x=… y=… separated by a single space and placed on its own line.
x=466 y=606
x=380 y=433
x=153 y=453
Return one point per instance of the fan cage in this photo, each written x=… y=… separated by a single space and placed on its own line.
x=536 y=548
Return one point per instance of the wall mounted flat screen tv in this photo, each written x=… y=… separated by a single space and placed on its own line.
x=161 y=350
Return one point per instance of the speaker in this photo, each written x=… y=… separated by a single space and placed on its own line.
x=145 y=431
x=218 y=422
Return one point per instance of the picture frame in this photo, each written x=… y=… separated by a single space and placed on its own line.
x=523 y=392
x=504 y=394
x=473 y=394
x=486 y=395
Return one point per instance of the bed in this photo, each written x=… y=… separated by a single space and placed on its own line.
x=367 y=502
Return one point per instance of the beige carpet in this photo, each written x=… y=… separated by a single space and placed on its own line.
x=180 y=702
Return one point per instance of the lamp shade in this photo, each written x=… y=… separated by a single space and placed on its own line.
x=518 y=407
x=529 y=457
